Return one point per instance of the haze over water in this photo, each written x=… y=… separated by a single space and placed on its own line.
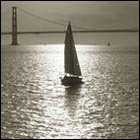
x=35 y=105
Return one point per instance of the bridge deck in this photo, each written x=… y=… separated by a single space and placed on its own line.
x=82 y=31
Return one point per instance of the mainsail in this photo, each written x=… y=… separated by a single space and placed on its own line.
x=72 y=66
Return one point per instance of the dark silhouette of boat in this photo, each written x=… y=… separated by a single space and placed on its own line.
x=108 y=44
x=73 y=73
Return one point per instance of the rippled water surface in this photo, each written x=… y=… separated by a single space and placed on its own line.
x=35 y=105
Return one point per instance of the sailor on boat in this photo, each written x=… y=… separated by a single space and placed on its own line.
x=73 y=73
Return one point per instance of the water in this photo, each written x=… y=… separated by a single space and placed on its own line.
x=35 y=105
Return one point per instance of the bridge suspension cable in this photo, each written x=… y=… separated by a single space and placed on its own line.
x=49 y=20
x=6 y=24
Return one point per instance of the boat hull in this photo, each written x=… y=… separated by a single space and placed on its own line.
x=71 y=80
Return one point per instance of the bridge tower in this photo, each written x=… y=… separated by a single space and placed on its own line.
x=14 y=26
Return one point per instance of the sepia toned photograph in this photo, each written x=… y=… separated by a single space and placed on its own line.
x=69 y=69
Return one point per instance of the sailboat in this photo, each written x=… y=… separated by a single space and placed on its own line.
x=73 y=73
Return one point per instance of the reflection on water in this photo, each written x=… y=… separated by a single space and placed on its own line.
x=35 y=105
x=71 y=98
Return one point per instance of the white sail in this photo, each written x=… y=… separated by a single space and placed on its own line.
x=72 y=66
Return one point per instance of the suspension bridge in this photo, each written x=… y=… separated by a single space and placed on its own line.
x=76 y=29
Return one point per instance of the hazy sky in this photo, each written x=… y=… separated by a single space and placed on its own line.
x=91 y=14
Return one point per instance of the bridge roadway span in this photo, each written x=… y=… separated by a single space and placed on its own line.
x=82 y=31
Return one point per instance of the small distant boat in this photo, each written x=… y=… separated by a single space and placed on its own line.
x=73 y=73
x=108 y=44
